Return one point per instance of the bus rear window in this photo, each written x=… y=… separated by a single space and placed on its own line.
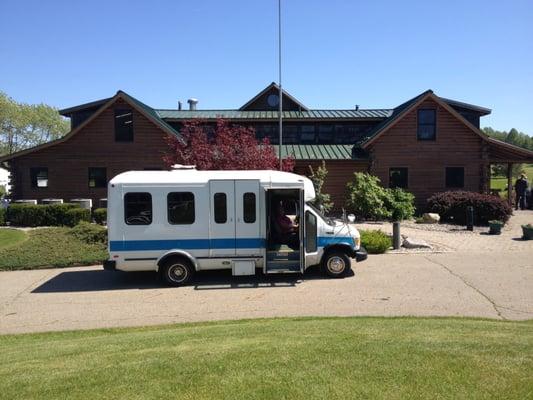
x=138 y=208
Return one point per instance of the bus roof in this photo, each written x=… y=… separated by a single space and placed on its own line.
x=276 y=179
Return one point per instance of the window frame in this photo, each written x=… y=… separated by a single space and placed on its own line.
x=244 y=215
x=406 y=169
x=131 y=134
x=193 y=209
x=89 y=177
x=34 y=181
x=126 y=210
x=215 y=208
x=446 y=169
x=419 y=124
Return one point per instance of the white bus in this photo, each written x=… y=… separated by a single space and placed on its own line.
x=182 y=221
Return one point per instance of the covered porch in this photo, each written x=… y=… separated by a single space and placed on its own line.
x=501 y=153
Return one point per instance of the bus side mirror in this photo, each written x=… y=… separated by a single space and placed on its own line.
x=322 y=209
x=351 y=218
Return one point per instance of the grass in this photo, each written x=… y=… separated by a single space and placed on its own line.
x=50 y=247
x=500 y=182
x=11 y=237
x=333 y=358
x=375 y=241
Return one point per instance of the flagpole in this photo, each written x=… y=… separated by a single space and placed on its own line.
x=280 y=89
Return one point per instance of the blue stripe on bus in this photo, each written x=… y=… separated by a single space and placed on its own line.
x=206 y=244
x=189 y=244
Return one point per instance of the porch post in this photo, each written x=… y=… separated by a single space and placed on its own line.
x=509 y=183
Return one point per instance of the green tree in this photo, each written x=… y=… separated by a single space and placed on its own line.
x=365 y=197
x=26 y=125
x=319 y=177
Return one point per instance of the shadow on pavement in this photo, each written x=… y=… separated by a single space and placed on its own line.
x=101 y=280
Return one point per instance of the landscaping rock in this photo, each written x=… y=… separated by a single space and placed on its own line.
x=411 y=243
x=430 y=218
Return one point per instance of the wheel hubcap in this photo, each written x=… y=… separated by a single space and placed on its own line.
x=336 y=264
x=177 y=273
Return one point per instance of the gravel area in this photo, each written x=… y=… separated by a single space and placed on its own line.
x=449 y=238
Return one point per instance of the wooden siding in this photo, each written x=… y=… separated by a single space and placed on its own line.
x=455 y=146
x=340 y=172
x=94 y=146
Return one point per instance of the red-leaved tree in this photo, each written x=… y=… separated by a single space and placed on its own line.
x=226 y=147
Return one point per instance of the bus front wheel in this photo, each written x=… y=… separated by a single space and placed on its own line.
x=336 y=264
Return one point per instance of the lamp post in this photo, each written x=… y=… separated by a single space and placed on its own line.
x=280 y=89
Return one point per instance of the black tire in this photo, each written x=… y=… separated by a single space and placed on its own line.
x=336 y=264
x=177 y=271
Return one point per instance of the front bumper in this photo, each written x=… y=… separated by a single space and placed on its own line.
x=361 y=254
x=110 y=265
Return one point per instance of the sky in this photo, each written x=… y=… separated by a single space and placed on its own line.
x=336 y=54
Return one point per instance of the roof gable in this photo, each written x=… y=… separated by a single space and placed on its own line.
x=142 y=108
x=267 y=100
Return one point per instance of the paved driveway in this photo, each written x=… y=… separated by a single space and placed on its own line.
x=484 y=284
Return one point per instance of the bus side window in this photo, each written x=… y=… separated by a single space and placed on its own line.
x=248 y=207
x=221 y=208
x=138 y=208
x=180 y=208
x=310 y=232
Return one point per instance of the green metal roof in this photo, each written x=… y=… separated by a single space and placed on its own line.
x=273 y=115
x=317 y=151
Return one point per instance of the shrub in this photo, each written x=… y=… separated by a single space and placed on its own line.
x=318 y=177
x=76 y=215
x=2 y=216
x=26 y=215
x=400 y=203
x=365 y=197
x=89 y=233
x=452 y=207
x=40 y=215
x=100 y=216
x=375 y=242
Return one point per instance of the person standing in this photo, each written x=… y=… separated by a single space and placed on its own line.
x=520 y=188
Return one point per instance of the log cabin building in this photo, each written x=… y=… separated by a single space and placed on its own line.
x=427 y=144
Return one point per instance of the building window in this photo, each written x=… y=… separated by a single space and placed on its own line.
x=220 y=208
x=180 y=208
x=290 y=134
x=325 y=134
x=138 y=208
x=123 y=125
x=97 y=178
x=248 y=207
x=427 y=121
x=455 y=177
x=398 y=178
x=308 y=134
x=39 y=177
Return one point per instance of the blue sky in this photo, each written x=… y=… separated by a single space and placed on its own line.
x=335 y=53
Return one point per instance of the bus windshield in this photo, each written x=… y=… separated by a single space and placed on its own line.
x=327 y=220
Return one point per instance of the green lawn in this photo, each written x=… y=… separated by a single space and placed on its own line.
x=500 y=182
x=47 y=247
x=11 y=237
x=334 y=358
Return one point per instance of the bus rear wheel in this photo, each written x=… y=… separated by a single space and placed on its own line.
x=177 y=271
x=336 y=264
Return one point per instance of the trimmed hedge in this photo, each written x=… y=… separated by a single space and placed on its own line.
x=100 y=216
x=90 y=233
x=375 y=242
x=46 y=215
x=2 y=216
x=451 y=206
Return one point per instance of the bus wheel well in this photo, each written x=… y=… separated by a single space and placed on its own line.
x=175 y=255
x=344 y=248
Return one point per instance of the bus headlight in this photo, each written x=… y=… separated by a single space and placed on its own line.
x=357 y=241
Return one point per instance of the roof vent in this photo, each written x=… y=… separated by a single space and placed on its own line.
x=181 y=166
x=357 y=107
x=179 y=105
x=192 y=104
